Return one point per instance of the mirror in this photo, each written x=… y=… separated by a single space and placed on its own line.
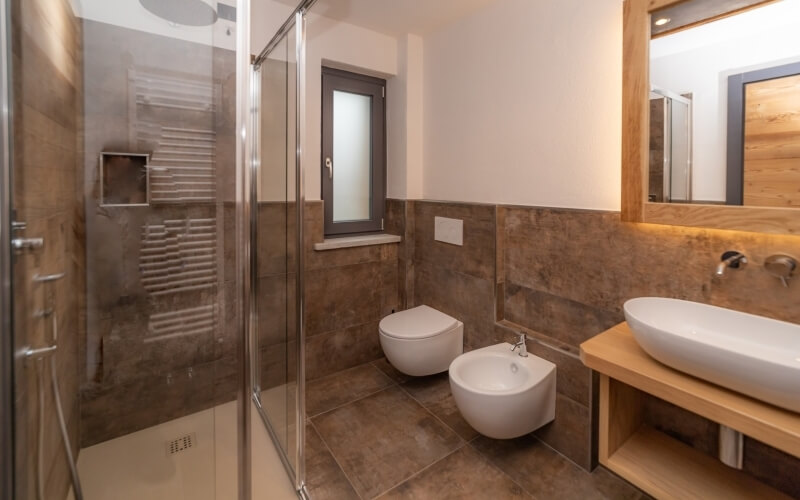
x=724 y=104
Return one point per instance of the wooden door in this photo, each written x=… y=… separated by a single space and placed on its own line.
x=772 y=143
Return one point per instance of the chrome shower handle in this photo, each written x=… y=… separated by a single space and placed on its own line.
x=40 y=352
x=27 y=243
x=48 y=350
x=45 y=278
x=329 y=166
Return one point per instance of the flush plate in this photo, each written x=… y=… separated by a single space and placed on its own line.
x=449 y=230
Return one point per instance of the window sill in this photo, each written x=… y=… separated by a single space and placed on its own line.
x=356 y=241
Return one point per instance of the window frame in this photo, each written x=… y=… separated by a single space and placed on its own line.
x=346 y=81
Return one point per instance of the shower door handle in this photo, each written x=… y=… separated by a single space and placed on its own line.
x=329 y=166
x=27 y=243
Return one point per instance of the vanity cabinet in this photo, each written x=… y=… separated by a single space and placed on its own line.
x=655 y=462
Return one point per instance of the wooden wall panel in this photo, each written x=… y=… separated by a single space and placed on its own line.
x=771 y=136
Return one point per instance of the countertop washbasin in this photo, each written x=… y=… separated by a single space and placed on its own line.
x=757 y=356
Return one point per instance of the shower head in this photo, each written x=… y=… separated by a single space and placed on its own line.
x=186 y=12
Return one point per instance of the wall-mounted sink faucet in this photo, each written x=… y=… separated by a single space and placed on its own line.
x=731 y=259
x=781 y=266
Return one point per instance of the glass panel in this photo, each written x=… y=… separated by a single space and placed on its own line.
x=658 y=154
x=125 y=139
x=276 y=247
x=352 y=156
x=680 y=152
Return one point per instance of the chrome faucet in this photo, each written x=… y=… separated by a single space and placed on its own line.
x=731 y=259
x=782 y=267
x=523 y=351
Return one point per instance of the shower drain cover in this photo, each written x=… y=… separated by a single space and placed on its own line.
x=180 y=444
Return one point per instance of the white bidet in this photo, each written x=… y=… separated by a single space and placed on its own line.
x=501 y=394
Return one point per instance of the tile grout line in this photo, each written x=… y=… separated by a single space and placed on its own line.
x=352 y=368
x=561 y=454
x=412 y=476
x=350 y=402
x=463 y=442
x=327 y=447
x=335 y=460
x=344 y=328
x=497 y=467
x=433 y=414
x=391 y=384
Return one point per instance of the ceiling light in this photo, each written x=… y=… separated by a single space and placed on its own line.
x=662 y=21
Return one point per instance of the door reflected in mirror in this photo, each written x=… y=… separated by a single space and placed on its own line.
x=725 y=103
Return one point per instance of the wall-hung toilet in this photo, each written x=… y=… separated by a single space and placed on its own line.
x=421 y=341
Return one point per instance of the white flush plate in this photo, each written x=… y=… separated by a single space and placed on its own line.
x=449 y=230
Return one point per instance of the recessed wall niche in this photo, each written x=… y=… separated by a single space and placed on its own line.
x=124 y=179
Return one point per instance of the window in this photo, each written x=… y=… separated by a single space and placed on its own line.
x=353 y=152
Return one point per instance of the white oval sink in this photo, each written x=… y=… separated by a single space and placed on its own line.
x=757 y=356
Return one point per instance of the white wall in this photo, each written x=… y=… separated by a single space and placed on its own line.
x=704 y=72
x=405 y=124
x=522 y=105
x=266 y=17
x=329 y=43
x=344 y=46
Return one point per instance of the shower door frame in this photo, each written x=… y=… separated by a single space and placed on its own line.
x=669 y=97
x=297 y=21
x=6 y=331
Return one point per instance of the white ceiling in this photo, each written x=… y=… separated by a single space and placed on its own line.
x=396 y=17
x=762 y=20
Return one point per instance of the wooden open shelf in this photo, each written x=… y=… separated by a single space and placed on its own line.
x=666 y=468
x=655 y=462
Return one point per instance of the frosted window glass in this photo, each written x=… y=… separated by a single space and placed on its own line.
x=352 y=154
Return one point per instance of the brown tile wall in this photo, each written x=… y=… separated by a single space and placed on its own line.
x=129 y=383
x=47 y=83
x=276 y=292
x=562 y=276
x=457 y=280
x=568 y=273
x=347 y=293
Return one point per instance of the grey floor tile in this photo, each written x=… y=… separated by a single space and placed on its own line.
x=384 y=439
x=326 y=393
x=324 y=478
x=462 y=474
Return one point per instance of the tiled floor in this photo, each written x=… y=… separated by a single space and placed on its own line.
x=375 y=433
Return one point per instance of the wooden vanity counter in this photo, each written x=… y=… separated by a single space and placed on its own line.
x=655 y=462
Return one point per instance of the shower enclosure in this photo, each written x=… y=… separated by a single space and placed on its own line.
x=152 y=248
x=670 y=177
x=121 y=257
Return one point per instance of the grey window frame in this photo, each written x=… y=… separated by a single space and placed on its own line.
x=346 y=81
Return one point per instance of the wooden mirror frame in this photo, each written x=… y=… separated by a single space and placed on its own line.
x=635 y=144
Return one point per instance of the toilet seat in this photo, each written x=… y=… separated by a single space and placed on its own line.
x=421 y=322
x=421 y=341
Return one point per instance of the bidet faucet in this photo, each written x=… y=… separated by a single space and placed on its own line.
x=523 y=351
x=731 y=259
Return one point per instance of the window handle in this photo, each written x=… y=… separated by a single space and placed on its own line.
x=329 y=166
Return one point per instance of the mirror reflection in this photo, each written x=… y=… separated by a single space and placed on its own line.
x=725 y=103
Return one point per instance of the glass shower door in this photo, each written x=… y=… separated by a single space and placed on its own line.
x=277 y=252
x=124 y=169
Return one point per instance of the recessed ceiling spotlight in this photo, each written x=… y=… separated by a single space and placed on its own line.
x=662 y=21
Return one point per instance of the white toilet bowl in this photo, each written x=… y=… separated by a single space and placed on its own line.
x=421 y=341
x=503 y=395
